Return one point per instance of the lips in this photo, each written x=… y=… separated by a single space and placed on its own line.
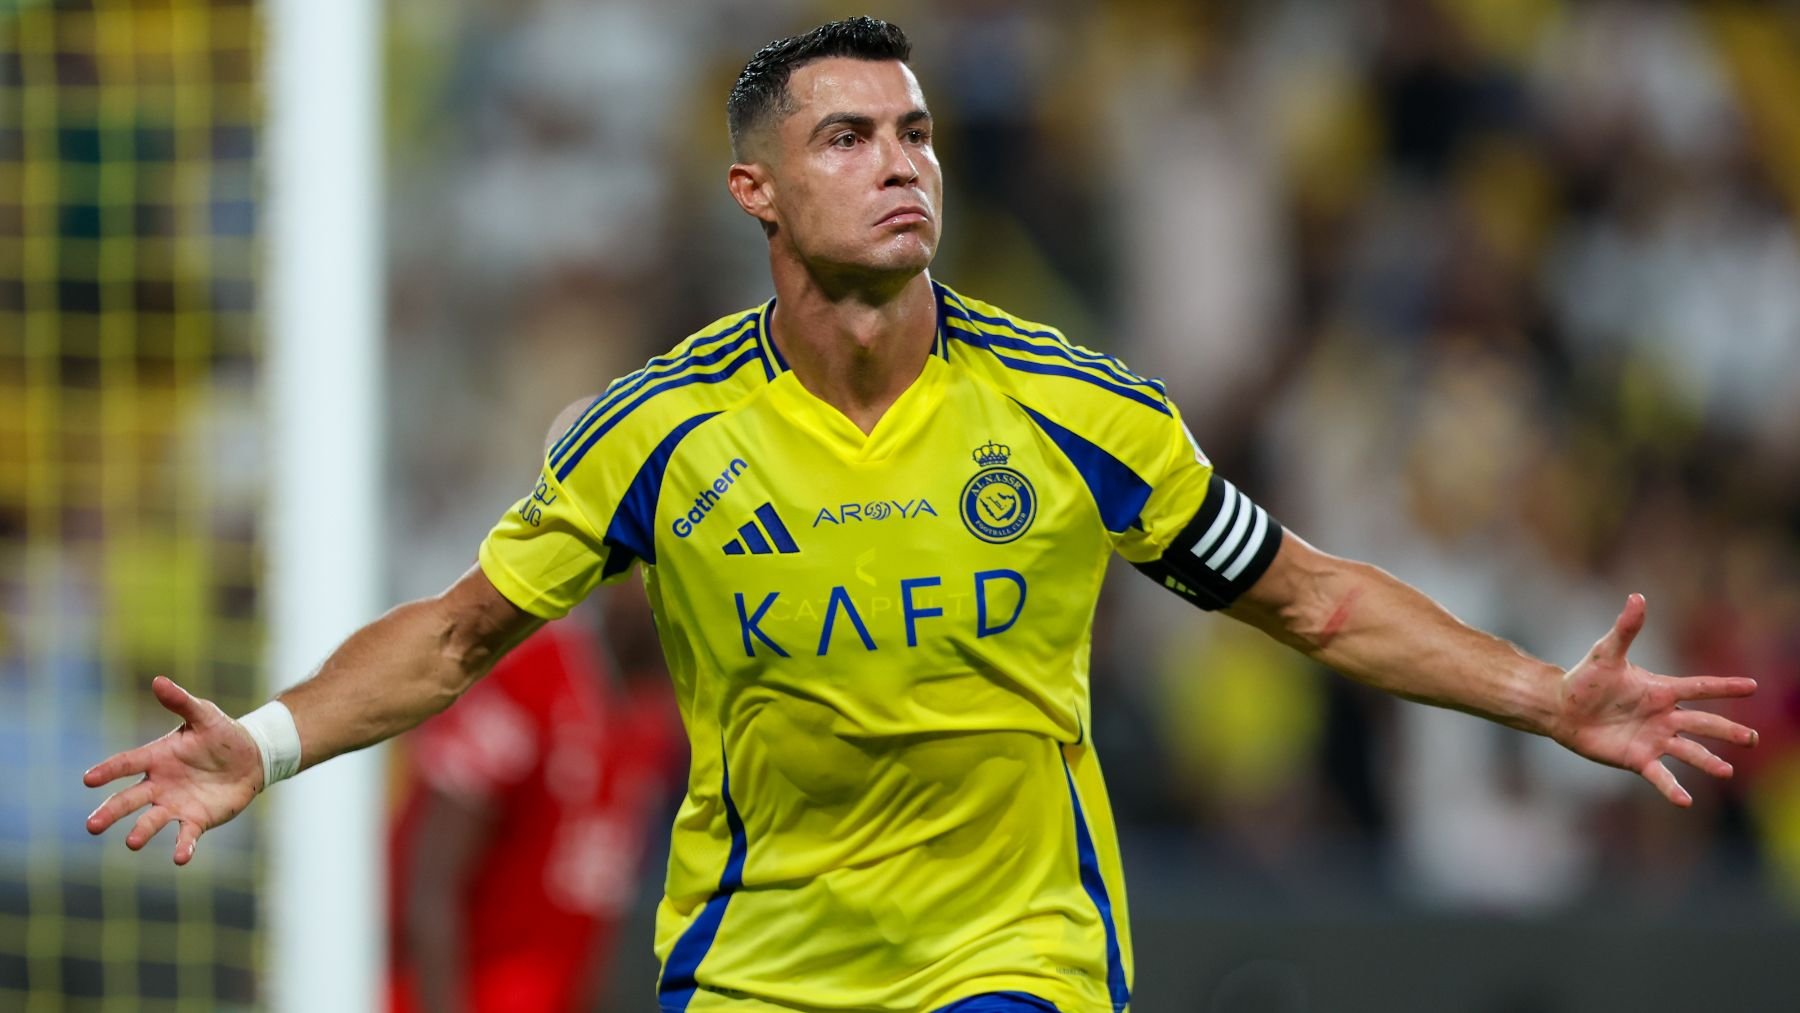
x=907 y=214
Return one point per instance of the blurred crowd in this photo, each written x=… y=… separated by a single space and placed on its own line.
x=1504 y=297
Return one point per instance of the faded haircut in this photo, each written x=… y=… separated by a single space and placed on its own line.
x=761 y=94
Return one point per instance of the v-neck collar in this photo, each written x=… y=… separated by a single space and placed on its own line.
x=909 y=413
x=775 y=364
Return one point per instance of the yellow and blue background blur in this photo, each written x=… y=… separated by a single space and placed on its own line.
x=1502 y=296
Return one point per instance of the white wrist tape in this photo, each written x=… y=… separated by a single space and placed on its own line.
x=271 y=727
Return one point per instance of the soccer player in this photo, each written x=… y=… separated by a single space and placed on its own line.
x=872 y=514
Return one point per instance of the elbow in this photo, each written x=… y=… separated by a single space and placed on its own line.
x=463 y=650
x=1313 y=598
x=1332 y=616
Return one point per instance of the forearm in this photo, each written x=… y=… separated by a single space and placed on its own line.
x=402 y=668
x=1374 y=628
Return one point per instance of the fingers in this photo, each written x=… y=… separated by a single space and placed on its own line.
x=131 y=761
x=1618 y=640
x=1659 y=776
x=120 y=805
x=1697 y=756
x=187 y=838
x=1713 y=726
x=1704 y=687
x=185 y=705
x=148 y=825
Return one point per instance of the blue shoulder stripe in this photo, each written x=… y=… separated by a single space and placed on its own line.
x=633 y=526
x=594 y=407
x=720 y=375
x=659 y=367
x=1075 y=367
x=1059 y=345
x=987 y=341
x=1117 y=490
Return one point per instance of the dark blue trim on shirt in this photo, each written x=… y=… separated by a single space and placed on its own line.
x=658 y=368
x=678 y=978
x=1074 y=372
x=1107 y=364
x=1000 y=1002
x=940 y=345
x=1095 y=885
x=719 y=376
x=1078 y=371
x=1118 y=491
x=773 y=361
x=634 y=522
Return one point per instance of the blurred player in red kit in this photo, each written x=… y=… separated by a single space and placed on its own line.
x=520 y=837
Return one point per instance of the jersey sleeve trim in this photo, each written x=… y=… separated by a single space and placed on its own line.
x=1117 y=490
x=662 y=375
x=1222 y=552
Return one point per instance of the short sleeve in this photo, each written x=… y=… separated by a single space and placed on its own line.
x=547 y=552
x=591 y=514
x=1177 y=474
x=1200 y=536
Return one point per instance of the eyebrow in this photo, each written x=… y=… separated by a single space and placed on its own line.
x=865 y=122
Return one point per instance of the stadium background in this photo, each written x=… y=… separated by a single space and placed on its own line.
x=1504 y=296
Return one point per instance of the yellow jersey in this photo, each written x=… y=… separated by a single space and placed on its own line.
x=880 y=650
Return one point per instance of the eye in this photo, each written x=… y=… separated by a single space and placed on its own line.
x=844 y=140
x=917 y=136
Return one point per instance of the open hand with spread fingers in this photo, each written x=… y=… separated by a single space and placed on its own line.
x=1624 y=716
x=199 y=776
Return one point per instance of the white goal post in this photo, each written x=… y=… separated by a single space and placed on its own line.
x=322 y=299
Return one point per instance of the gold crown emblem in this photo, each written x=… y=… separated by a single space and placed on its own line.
x=990 y=453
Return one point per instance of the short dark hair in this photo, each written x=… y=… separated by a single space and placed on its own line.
x=761 y=89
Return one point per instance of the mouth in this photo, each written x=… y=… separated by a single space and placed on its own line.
x=908 y=214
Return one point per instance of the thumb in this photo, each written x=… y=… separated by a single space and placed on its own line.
x=1617 y=641
x=179 y=701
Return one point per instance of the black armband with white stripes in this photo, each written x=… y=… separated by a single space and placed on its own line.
x=1221 y=552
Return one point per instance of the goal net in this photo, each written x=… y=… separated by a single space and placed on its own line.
x=130 y=481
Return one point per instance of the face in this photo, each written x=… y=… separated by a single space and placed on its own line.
x=849 y=179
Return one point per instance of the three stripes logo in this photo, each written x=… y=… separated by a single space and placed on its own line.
x=766 y=539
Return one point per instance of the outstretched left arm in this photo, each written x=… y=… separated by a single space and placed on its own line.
x=1367 y=624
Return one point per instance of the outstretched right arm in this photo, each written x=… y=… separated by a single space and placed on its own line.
x=387 y=677
x=404 y=667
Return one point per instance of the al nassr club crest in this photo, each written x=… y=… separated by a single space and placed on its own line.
x=998 y=504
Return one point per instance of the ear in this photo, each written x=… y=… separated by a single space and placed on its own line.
x=753 y=188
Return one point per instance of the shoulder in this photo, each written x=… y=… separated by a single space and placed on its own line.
x=704 y=374
x=1039 y=367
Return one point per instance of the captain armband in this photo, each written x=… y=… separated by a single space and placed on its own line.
x=1221 y=552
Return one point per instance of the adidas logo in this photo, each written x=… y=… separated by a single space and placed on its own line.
x=771 y=537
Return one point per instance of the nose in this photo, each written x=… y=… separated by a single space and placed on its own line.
x=898 y=167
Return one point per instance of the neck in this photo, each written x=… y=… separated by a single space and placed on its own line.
x=855 y=348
